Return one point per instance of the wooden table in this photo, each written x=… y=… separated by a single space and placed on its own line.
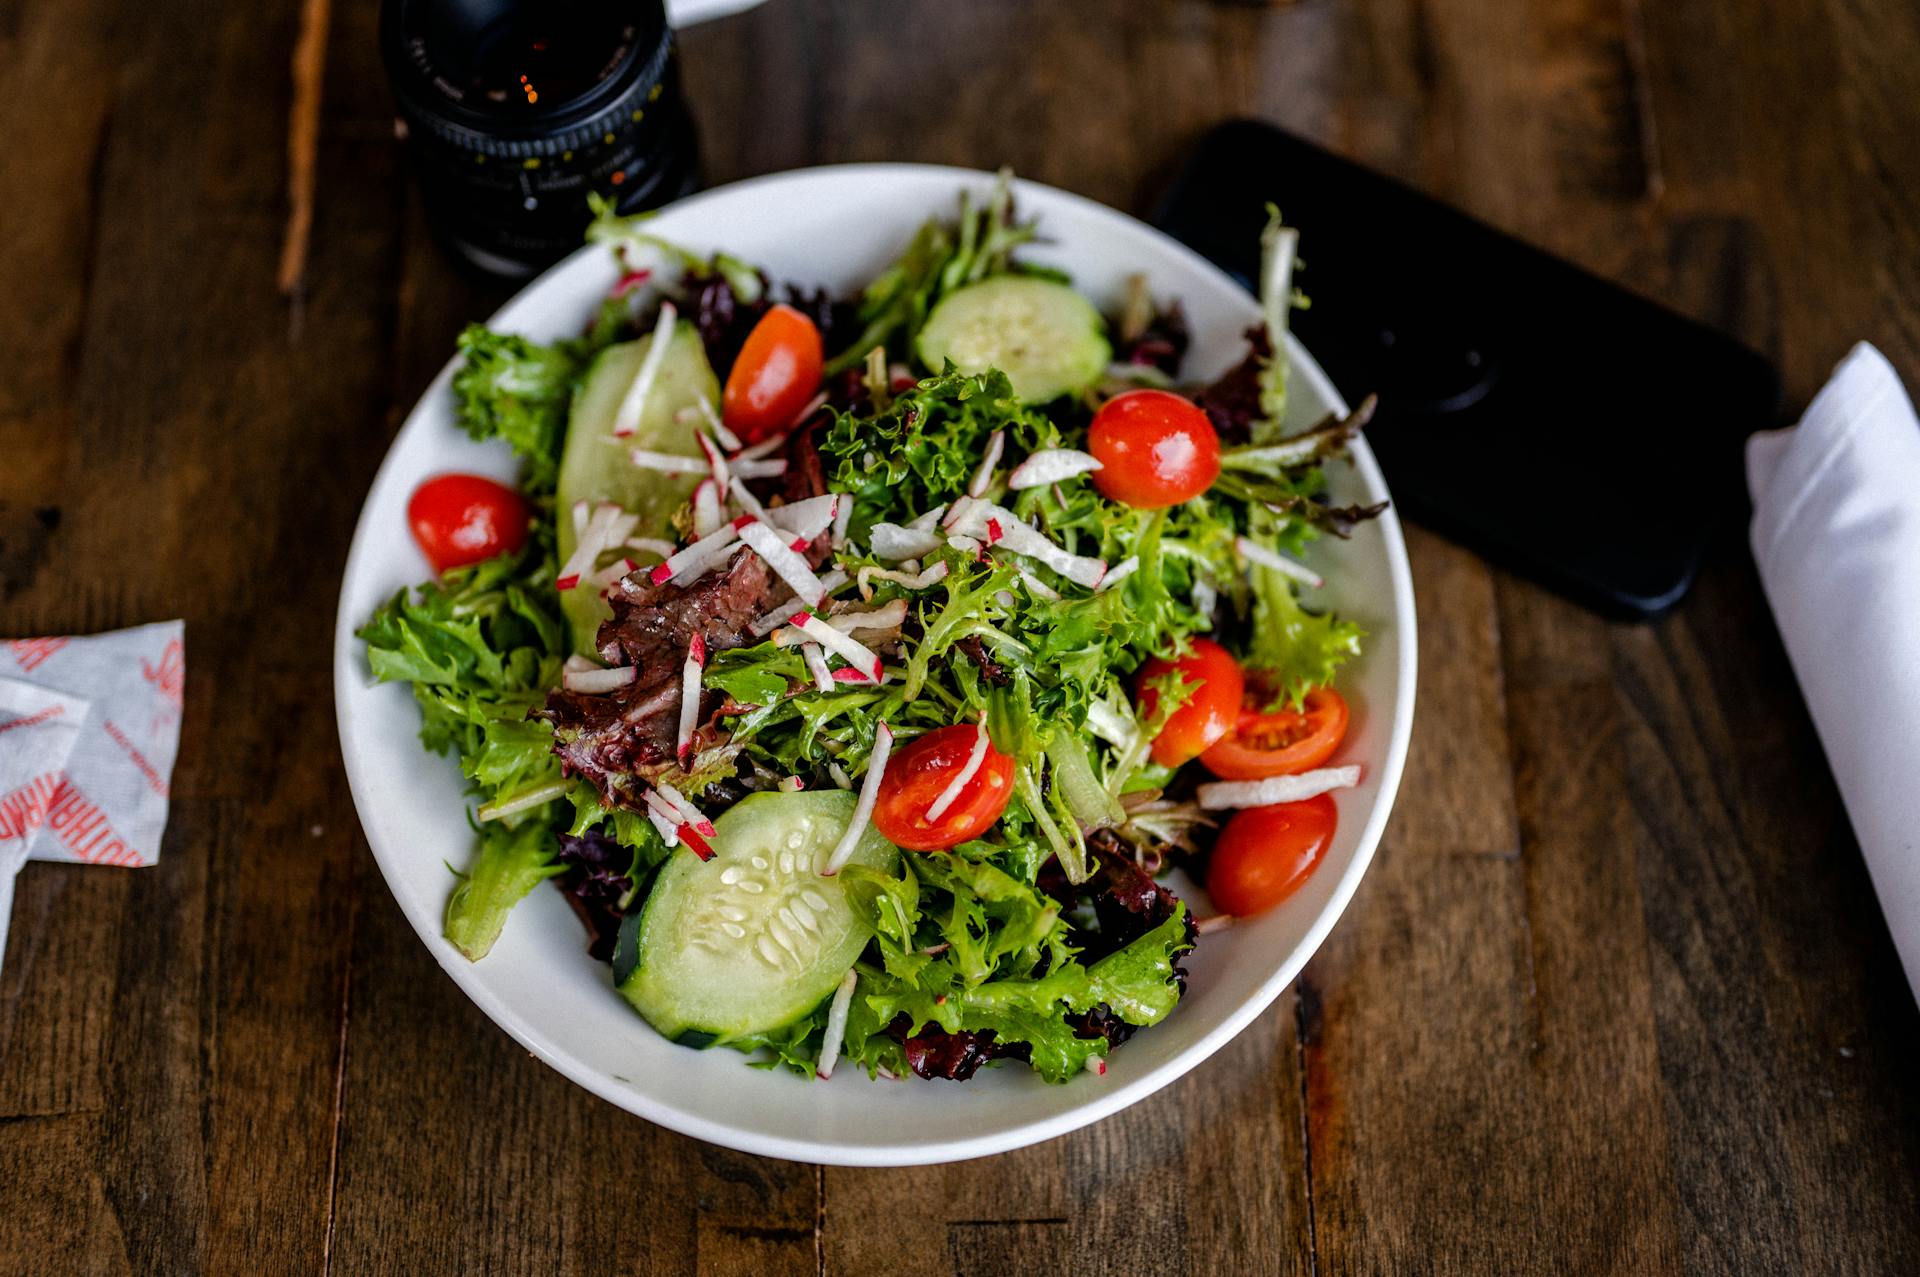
x=1615 y=995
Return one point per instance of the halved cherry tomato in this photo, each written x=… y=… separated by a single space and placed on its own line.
x=1283 y=742
x=1265 y=853
x=1208 y=713
x=777 y=371
x=921 y=772
x=463 y=518
x=1155 y=449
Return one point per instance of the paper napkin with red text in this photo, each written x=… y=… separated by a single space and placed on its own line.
x=109 y=803
x=38 y=728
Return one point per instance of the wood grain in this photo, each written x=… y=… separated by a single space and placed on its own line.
x=1615 y=996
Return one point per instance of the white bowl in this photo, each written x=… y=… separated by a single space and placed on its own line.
x=838 y=226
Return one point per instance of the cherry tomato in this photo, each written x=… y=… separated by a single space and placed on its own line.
x=921 y=772
x=777 y=372
x=1281 y=743
x=1208 y=713
x=1155 y=449
x=463 y=518
x=1265 y=853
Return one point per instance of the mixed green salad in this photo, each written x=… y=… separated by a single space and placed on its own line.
x=857 y=666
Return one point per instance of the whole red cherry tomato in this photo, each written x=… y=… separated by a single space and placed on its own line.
x=464 y=518
x=1155 y=449
x=1216 y=688
x=918 y=776
x=777 y=372
x=1265 y=853
x=1283 y=742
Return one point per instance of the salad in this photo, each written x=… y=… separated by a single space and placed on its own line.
x=859 y=666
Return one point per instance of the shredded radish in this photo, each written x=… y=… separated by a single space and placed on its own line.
x=668 y=462
x=842 y=517
x=651 y=545
x=728 y=440
x=701 y=555
x=1041 y=590
x=1216 y=922
x=966 y=545
x=955 y=787
x=667 y=827
x=1119 y=572
x=928 y=521
x=1005 y=599
x=908 y=580
x=716 y=462
x=608 y=526
x=790 y=785
x=805 y=519
x=773 y=620
x=848 y=649
x=890 y=617
x=1254 y=552
x=891 y=541
x=582 y=510
x=748 y=503
x=576 y=663
x=765 y=448
x=611 y=573
x=695 y=843
x=983 y=477
x=759 y=469
x=787 y=563
x=862 y=810
x=597 y=682
x=817 y=666
x=688 y=812
x=629 y=281
x=959 y=512
x=1205 y=597
x=836 y=1026
x=1228 y=794
x=1096 y=1066
x=627 y=419
x=839 y=775
x=1051 y=465
x=1022 y=538
x=812 y=406
x=690 y=696
x=995 y=532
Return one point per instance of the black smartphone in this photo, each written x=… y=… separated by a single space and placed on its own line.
x=1549 y=419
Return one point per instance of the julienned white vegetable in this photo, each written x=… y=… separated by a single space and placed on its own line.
x=809 y=518
x=707 y=514
x=890 y=617
x=525 y=800
x=728 y=440
x=893 y=542
x=748 y=503
x=651 y=545
x=787 y=563
x=1002 y=529
x=1051 y=465
x=688 y=812
x=909 y=580
x=605 y=528
x=703 y=554
x=836 y=1031
x=773 y=620
x=807 y=409
x=1225 y=795
x=853 y=652
x=817 y=666
x=765 y=469
x=1253 y=552
x=716 y=462
x=626 y=419
x=1040 y=589
x=983 y=475
x=765 y=448
x=955 y=787
x=690 y=697
x=929 y=521
x=863 y=810
x=842 y=519
x=1120 y=572
x=668 y=462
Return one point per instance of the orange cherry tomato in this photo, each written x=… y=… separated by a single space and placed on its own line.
x=1209 y=712
x=919 y=774
x=463 y=518
x=1155 y=449
x=1282 y=743
x=777 y=372
x=1265 y=853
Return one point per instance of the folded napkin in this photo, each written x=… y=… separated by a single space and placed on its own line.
x=38 y=728
x=1836 y=534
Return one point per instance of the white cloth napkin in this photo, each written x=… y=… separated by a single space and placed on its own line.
x=1836 y=534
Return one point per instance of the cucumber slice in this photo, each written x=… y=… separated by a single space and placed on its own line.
x=1043 y=335
x=596 y=467
x=754 y=938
